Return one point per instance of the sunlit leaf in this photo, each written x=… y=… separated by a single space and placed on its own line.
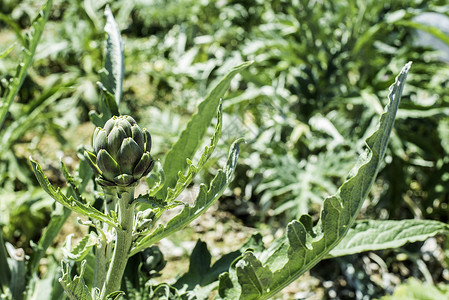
x=69 y=202
x=192 y=136
x=373 y=235
x=303 y=246
x=204 y=200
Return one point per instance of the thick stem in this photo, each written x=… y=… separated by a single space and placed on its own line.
x=102 y=252
x=100 y=266
x=122 y=243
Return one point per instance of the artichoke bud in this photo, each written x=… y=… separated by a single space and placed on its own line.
x=121 y=152
x=107 y=164
x=129 y=155
x=115 y=140
x=142 y=167
x=100 y=140
x=91 y=159
x=137 y=136
x=147 y=145
x=152 y=261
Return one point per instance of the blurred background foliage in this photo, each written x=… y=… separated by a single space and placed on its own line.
x=315 y=92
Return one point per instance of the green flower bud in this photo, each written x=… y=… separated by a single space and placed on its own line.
x=129 y=155
x=121 y=152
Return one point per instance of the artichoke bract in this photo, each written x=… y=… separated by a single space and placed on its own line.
x=121 y=152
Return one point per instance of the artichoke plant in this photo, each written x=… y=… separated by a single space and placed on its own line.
x=121 y=152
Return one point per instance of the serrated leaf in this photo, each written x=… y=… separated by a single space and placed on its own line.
x=373 y=235
x=26 y=60
x=156 y=179
x=302 y=247
x=185 y=179
x=69 y=202
x=114 y=63
x=75 y=289
x=82 y=249
x=74 y=190
x=59 y=217
x=253 y=276
x=192 y=136
x=203 y=201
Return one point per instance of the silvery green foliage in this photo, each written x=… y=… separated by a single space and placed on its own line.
x=261 y=275
x=120 y=158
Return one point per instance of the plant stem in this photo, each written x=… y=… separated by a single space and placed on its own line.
x=102 y=252
x=122 y=243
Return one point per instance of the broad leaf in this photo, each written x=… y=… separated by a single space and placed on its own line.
x=304 y=246
x=201 y=273
x=111 y=75
x=114 y=64
x=69 y=202
x=377 y=235
x=192 y=136
x=203 y=201
x=75 y=289
x=31 y=42
x=184 y=180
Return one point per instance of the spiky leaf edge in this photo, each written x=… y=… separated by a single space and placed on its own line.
x=304 y=246
x=205 y=199
x=184 y=180
x=69 y=202
x=191 y=137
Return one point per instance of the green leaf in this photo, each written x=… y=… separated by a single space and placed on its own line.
x=82 y=249
x=115 y=295
x=47 y=287
x=17 y=284
x=373 y=235
x=5 y=52
x=112 y=76
x=415 y=290
x=184 y=180
x=156 y=179
x=28 y=53
x=57 y=220
x=201 y=273
x=427 y=28
x=69 y=202
x=5 y=272
x=75 y=289
x=191 y=137
x=59 y=217
x=203 y=201
x=303 y=246
x=164 y=291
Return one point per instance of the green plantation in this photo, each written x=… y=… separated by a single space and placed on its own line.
x=224 y=149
